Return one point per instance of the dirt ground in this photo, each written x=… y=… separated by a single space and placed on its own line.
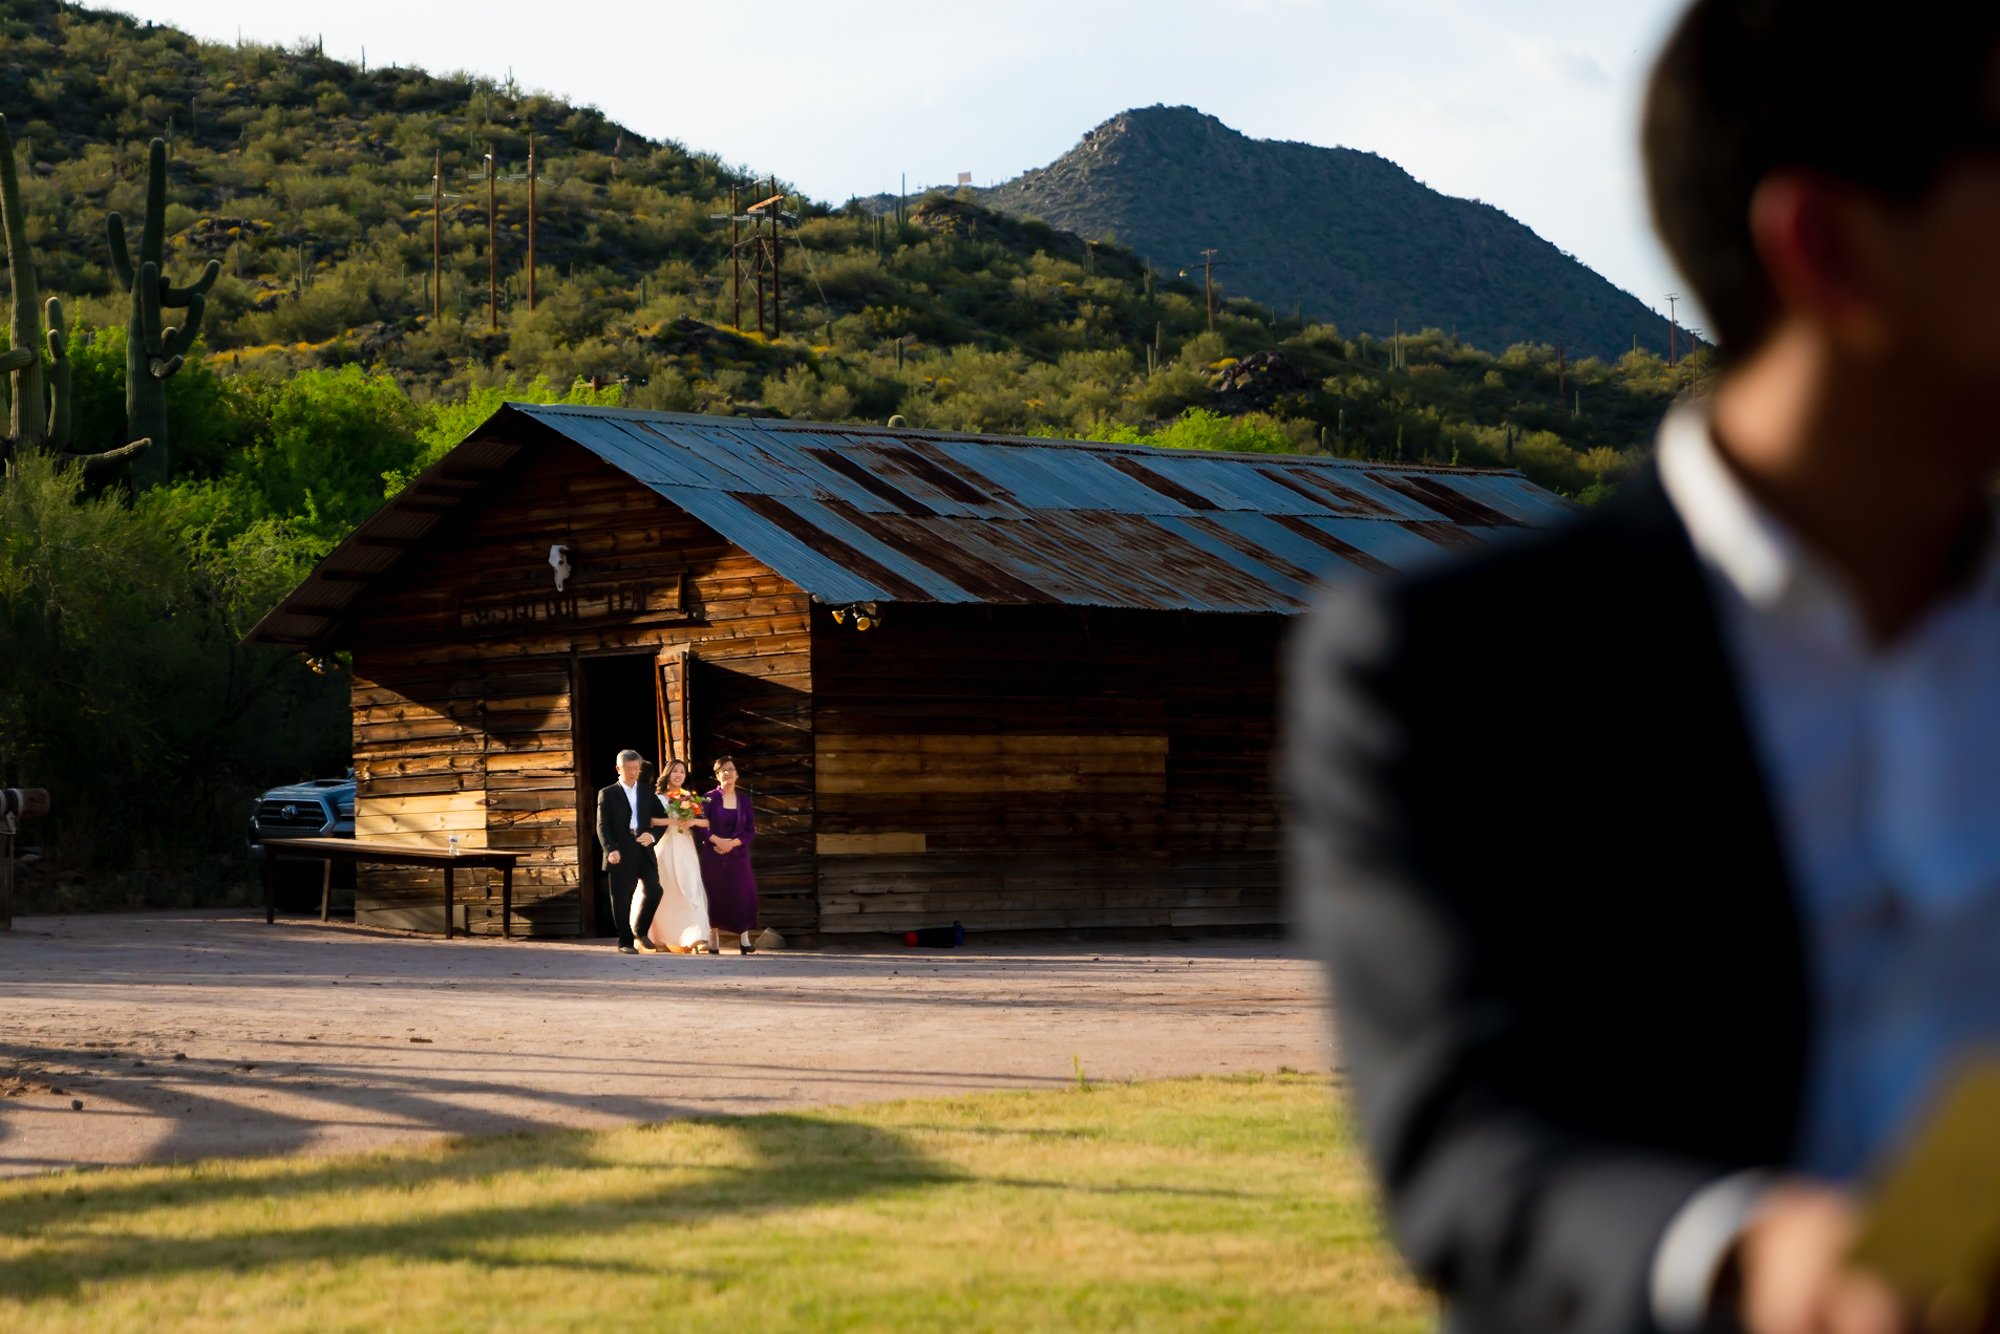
x=190 y=1035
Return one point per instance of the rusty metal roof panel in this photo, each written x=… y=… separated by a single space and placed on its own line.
x=939 y=489
x=862 y=537
x=1230 y=483
x=857 y=514
x=652 y=458
x=1393 y=492
x=916 y=515
x=807 y=565
x=1119 y=560
x=1397 y=546
x=1038 y=477
x=1218 y=541
x=632 y=449
x=732 y=457
x=1351 y=491
x=1295 y=542
x=1510 y=494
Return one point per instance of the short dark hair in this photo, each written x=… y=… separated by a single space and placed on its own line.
x=721 y=760
x=1747 y=87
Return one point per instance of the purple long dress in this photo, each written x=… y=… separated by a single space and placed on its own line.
x=731 y=884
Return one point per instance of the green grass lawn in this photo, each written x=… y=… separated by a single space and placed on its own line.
x=1228 y=1203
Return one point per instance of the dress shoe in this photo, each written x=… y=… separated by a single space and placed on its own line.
x=627 y=949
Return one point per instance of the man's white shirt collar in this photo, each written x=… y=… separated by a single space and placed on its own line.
x=1753 y=552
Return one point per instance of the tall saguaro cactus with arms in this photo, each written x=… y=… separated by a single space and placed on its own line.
x=154 y=350
x=38 y=419
x=27 y=421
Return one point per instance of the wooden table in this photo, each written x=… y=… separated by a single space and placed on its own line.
x=358 y=851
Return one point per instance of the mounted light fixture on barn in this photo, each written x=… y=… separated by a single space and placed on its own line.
x=1060 y=714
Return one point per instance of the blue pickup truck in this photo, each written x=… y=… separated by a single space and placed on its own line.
x=323 y=807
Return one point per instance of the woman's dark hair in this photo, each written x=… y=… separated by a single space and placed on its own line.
x=1884 y=99
x=721 y=760
x=665 y=781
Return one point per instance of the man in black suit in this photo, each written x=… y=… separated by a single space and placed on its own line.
x=625 y=812
x=1651 y=857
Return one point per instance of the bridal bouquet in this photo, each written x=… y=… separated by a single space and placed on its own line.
x=682 y=804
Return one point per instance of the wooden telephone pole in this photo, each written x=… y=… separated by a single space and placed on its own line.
x=531 y=223
x=763 y=251
x=777 y=272
x=1673 y=330
x=1208 y=284
x=1208 y=263
x=437 y=234
x=492 y=248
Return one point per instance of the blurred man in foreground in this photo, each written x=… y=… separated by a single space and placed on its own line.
x=1657 y=860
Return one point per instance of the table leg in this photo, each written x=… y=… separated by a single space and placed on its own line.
x=325 y=889
x=447 y=901
x=270 y=886
x=507 y=902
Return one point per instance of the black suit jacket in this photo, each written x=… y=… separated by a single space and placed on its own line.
x=614 y=822
x=1532 y=842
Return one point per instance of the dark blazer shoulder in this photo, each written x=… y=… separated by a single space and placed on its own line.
x=1529 y=836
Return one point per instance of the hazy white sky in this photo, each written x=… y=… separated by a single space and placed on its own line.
x=1530 y=105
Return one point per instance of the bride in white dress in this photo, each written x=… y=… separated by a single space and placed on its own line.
x=680 y=926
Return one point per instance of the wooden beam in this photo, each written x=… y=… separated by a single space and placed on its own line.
x=869 y=845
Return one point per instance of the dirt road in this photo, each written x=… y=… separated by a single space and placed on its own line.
x=188 y=1035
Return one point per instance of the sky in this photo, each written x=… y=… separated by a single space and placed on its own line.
x=1529 y=105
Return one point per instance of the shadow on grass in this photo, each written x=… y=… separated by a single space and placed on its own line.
x=797 y=1161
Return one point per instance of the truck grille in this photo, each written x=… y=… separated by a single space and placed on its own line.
x=282 y=818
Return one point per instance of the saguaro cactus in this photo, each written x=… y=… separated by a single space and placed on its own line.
x=27 y=423
x=152 y=352
x=38 y=421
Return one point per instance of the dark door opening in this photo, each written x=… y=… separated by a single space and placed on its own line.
x=616 y=709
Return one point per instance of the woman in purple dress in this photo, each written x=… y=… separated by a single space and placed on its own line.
x=725 y=857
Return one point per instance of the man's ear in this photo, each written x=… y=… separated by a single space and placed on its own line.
x=1819 y=240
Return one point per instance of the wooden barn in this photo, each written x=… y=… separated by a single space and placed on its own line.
x=1016 y=683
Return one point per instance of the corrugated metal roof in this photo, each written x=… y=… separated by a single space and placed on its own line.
x=854 y=514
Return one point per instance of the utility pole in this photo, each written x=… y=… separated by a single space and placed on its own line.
x=437 y=233
x=752 y=251
x=777 y=272
x=757 y=251
x=1208 y=284
x=492 y=253
x=763 y=252
x=1673 y=331
x=531 y=223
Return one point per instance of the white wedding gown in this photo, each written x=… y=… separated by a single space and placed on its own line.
x=682 y=920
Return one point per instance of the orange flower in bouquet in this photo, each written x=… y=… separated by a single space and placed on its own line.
x=682 y=804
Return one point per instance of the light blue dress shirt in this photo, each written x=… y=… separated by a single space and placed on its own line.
x=1883 y=767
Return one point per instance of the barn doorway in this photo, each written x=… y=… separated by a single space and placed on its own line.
x=616 y=708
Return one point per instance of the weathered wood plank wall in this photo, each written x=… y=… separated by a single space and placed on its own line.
x=466 y=668
x=1027 y=768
